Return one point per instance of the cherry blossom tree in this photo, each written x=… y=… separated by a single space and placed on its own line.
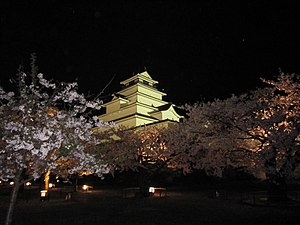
x=140 y=149
x=119 y=147
x=277 y=126
x=153 y=154
x=258 y=132
x=46 y=126
x=205 y=137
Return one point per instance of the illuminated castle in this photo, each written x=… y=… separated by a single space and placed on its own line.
x=139 y=103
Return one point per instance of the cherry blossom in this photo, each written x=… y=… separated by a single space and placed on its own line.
x=257 y=132
x=43 y=126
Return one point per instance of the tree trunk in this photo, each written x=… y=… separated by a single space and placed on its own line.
x=13 y=198
x=143 y=182
x=76 y=183
x=277 y=190
x=46 y=180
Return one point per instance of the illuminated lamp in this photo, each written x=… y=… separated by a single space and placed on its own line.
x=85 y=187
x=27 y=183
x=44 y=195
x=151 y=190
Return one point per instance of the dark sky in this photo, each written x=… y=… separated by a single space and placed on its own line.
x=196 y=49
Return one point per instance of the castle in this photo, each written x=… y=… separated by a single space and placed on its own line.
x=139 y=103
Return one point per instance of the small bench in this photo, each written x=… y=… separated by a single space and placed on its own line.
x=151 y=191
x=161 y=192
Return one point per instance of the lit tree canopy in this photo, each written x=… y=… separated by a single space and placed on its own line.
x=119 y=147
x=258 y=131
x=141 y=149
x=133 y=148
x=278 y=125
x=44 y=127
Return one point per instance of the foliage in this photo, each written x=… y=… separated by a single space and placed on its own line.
x=278 y=125
x=133 y=148
x=142 y=150
x=118 y=147
x=258 y=132
x=44 y=126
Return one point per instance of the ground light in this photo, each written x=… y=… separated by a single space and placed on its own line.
x=86 y=187
x=44 y=195
x=151 y=190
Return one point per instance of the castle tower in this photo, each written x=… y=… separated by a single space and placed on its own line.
x=139 y=103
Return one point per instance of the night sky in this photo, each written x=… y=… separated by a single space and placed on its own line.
x=197 y=50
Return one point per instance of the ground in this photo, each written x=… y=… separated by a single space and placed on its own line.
x=197 y=205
